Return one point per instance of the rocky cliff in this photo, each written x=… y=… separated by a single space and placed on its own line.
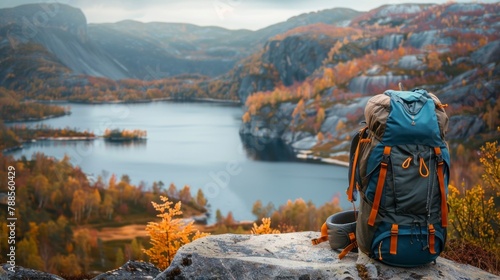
x=419 y=45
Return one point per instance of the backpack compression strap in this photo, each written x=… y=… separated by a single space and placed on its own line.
x=350 y=247
x=324 y=235
x=432 y=239
x=440 y=174
x=380 y=185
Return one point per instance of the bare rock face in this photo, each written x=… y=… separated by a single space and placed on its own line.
x=131 y=270
x=21 y=273
x=292 y=256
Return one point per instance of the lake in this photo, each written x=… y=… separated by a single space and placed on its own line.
x=195 y=144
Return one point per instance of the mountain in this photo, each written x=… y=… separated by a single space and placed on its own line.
x=60 y=30
x=130 y=49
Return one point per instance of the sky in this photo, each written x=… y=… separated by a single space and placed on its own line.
x=231 y=14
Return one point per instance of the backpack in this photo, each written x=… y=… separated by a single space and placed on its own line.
x=399 y=165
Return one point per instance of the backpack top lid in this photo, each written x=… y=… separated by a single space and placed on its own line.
x=407 y=117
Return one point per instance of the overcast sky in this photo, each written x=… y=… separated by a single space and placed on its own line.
x=232 y=14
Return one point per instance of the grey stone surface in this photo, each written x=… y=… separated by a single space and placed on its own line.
x=305 y=143
x=22 y=273
x=487 y=54
x=388 y=42
x=292 y=256
x=412 y=62
x=372 y=85
x=130 y=270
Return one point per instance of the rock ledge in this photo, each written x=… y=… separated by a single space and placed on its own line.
x=292 y=256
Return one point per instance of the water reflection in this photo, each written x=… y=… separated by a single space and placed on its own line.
x=266 y=149
x=59 y=143
x=141 y=143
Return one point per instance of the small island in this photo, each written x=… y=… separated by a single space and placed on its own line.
x=125 y=135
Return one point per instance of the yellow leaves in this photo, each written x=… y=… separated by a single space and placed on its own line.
x=491 y=164
x=168 y=235
x=264 y=228
x=473 y=213
x=453 y=191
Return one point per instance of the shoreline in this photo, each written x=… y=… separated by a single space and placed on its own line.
x=37 y=119
x=61 y=138
x=163 y=99
x=303 y=156
x=75 y=138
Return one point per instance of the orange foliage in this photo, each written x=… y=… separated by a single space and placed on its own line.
x=264 y=228
x=168 y=235
x=324 y=29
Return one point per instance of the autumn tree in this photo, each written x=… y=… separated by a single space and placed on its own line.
x=261 y=211
x=78 y=204
x=108 y=206
x=200 y=198
x=229 y=220
x=185 y=194
x=27 y=249
x=66 y=265
x=83 y=247
x=172 y=192
x=168 y=235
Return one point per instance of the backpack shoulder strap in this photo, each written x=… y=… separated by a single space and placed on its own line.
x=358 y=139
x=380 y=185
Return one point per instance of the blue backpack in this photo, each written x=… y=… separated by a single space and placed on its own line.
x=399 y=166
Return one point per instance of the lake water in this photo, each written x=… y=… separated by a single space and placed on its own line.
x=195 y=144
